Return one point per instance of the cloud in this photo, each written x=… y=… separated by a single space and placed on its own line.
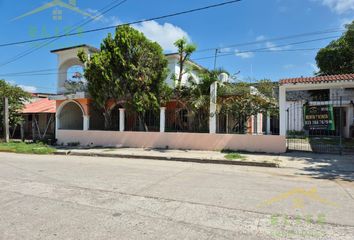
x=313 y=66
x=240 y=54
x=30 y=89
x=111 y=20
x=272 y=46
x=338 y=6
x=165 y=34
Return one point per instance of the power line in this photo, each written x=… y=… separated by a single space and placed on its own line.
x=115 y=26
x=272 y=48
x=54 y=70
x=54 y=38
x=333 y=30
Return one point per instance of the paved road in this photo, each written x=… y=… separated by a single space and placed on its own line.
x=67 y=197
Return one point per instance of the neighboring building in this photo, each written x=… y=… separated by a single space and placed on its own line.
x=320 y=105
x=39 y=119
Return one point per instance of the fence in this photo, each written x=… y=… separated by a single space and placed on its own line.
x=260 y=124
x=148 y=122
x=182 y=120
x=322 y=126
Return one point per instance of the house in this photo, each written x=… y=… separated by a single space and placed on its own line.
x=75 y=110
x=77 y=120
x=317 y=106
x=39 y=119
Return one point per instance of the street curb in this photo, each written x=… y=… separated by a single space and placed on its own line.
x=195 y=160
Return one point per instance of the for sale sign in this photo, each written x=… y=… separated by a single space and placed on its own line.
x=319 y=117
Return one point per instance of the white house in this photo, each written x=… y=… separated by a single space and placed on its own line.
x=334 y=91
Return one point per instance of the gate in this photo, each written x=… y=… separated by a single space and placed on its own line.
x=320 y=126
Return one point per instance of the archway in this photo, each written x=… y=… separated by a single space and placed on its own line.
x=71 y=116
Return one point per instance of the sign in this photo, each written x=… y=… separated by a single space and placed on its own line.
x=319 y=117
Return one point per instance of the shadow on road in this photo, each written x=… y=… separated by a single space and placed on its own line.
x=324 y=166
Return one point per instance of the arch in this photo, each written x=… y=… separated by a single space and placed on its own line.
x=97 y=120
x=63 y=71
x=70 y=116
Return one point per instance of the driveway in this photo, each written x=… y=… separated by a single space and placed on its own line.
x=71 y=197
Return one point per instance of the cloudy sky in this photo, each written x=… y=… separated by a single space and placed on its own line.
x=271 y=39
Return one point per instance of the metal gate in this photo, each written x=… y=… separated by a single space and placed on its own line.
x=320 y=126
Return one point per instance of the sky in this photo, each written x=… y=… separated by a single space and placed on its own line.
x=249 y=24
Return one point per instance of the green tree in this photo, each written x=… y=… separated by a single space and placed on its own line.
x=129 y=69
x=338 y=56
x=17 y=99
x=185 y=51
x=243 y=100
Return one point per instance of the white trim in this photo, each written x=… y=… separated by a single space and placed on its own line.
x=60 y=108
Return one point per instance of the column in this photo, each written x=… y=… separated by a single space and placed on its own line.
x=349 y=121
x=213 y=98
x=282 y=111
x=268 y=124
x=121 y=119
x=259 y=123
x=162 y=119
x=86 y=122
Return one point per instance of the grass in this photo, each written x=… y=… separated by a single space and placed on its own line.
x=231 y=155
x=30 y=148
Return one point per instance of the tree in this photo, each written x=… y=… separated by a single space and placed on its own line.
x=185 y=51
x=243 y=100
x=129 y=69
x=338 y=56
x=17 y=99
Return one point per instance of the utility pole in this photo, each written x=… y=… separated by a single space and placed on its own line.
x=6 y=120
x=215 y=57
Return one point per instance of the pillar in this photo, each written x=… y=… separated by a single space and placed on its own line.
x=86 y=122
x=349 y=120
x=282 y=111
x=260 y=123
x=121 y=119
x=162 y=119
x=268 y=124
x=213 y=98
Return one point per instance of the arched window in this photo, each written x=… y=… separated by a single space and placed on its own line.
x=75 y=80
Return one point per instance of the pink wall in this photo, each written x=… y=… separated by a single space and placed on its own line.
x=193 y=141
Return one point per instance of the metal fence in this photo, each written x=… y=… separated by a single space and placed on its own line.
x=260 y=124
x=182 y=120
x=147 y=122
x=320 y=126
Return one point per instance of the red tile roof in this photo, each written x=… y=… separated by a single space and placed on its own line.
x=41 y=106
x=319 y=79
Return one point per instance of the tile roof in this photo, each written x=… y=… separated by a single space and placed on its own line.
x=319 y=79
x=41 y=106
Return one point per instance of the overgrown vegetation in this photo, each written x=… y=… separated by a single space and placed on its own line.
x=22 y=147
x=17 y=98
x=130 y=70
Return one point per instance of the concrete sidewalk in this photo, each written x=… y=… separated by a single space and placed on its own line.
x=213 y=157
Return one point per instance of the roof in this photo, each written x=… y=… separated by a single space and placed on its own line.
x=176 y=55
x=319 y=79
x=77 y=46
x=41 y=106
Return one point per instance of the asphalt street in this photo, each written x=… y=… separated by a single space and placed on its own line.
x=70 y=197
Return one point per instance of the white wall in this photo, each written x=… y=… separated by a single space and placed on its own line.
x=193 y=141
x=294 y=119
